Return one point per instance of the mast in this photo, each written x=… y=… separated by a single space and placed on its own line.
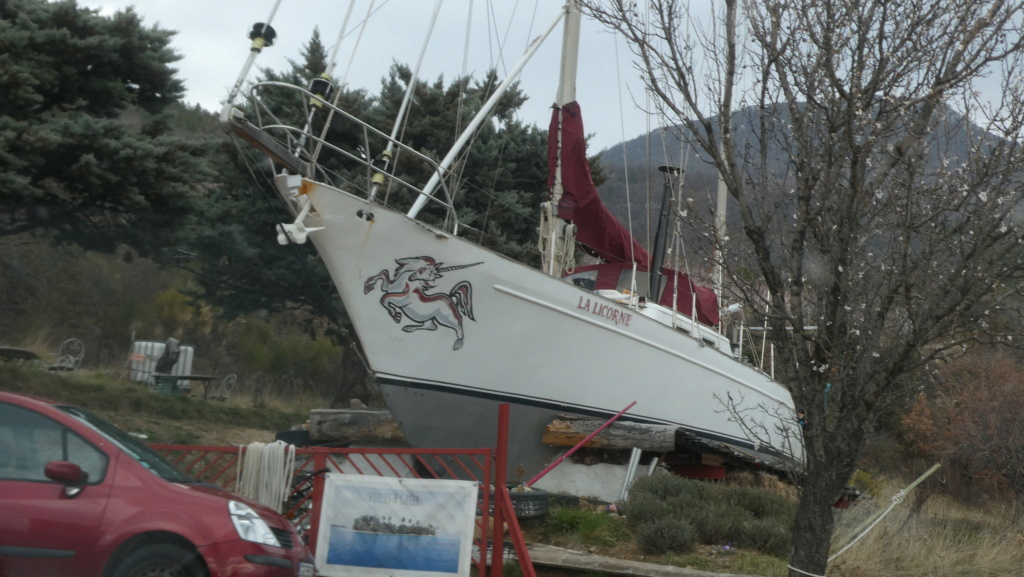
x=557 y=237
x=658 y=256
x=720 y=232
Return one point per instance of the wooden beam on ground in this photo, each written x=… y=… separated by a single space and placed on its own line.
x=551 y=556
x=566 y=431
x=353 y=425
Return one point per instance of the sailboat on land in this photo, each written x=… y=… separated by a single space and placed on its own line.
x=452 y=329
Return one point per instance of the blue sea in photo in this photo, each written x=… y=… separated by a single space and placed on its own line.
x=388 y=551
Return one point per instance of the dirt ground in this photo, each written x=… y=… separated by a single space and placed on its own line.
x=189 y=432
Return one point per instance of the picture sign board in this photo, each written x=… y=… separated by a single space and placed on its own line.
x=377 y=526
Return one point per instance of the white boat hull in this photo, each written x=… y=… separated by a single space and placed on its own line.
x=537 y=342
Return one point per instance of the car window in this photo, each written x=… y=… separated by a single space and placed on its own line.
x=131 y=446
x=29 y=440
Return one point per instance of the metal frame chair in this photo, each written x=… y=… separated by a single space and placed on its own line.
x=224 y=390
x=69 y=355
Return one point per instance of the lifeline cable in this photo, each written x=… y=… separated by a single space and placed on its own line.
x=873 y=521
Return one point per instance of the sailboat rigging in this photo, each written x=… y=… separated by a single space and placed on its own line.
x=451 y=329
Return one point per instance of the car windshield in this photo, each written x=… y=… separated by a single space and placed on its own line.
x=137 y=450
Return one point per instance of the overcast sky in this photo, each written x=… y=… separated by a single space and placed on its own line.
x=212 y=38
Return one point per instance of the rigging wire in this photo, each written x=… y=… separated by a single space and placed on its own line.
x=333 y=61
x=625 y=169
x=503 y=40
x=370 y=11
x=338 y=90
x=465 y=66
x=403 y=109
x=456 y=183
x=325 y=79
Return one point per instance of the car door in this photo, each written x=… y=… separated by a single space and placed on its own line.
x=46 y=528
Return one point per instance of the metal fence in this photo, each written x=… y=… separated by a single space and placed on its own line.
x=222 y=466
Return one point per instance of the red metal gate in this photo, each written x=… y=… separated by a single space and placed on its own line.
x=222 y=466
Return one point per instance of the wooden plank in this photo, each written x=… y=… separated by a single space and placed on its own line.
x=551 y=556
x=567 y=431
x=353 y=425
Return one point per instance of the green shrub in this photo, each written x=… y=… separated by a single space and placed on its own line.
x=746 y=517
x=589 y=526
x=664 y=496
x=665 y=487
x=512 y=569
x=641 y=509
x=666 y=536
x=761 y=504
x=565 y=520
x=765 y=536
x=718 y=523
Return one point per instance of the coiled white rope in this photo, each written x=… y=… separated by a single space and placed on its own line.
x=267 y=473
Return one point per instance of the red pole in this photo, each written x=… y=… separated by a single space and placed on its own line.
x=319 y=462
x=503 y=509
x=578 y=445
x=500 y=470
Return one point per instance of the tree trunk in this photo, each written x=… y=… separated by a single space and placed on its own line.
x=814 y=518
x=827 y=472
x=355 y=382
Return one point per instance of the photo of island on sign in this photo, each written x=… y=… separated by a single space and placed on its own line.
x=391 y=526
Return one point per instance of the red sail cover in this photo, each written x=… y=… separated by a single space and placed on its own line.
x=597 y=229
x=689 y=294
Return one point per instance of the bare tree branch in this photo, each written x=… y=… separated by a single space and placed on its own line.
x=879 y=192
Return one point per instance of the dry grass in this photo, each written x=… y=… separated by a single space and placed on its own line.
x=945 y=539
x=162 y=419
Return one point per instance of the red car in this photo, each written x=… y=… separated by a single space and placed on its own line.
x=80 y=497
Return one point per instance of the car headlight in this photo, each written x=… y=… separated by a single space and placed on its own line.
x=250 y=526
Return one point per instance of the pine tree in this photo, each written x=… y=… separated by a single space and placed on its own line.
x=86 y=155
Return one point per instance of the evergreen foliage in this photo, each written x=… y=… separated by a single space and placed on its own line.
x=86 y=153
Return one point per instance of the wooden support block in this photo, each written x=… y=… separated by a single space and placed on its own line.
x=713 y=460
x=353 y=425
x=569 y=431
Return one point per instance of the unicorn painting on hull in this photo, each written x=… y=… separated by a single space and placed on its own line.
x=407 y=295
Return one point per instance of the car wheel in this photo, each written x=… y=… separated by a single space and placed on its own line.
x=161 y=560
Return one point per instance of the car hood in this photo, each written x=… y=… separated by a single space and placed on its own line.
x=220 y=493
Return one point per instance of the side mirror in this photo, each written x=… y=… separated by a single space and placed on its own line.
x=67 y=473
